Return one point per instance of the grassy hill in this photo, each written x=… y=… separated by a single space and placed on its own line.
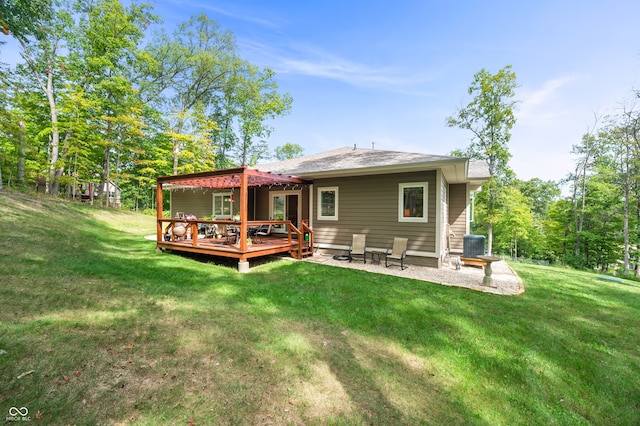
x=98 y=328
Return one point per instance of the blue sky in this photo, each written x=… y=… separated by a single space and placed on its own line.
x=391 y=72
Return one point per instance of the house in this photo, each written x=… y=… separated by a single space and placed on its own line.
x=89 y=191
x=318 y=202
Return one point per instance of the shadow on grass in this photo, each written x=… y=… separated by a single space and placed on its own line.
x=239 y=348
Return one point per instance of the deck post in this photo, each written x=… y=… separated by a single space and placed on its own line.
x=158 y=212
x=244 y=209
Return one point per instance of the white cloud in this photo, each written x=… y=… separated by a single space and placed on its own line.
x=234 y=11
x=311 y=61
x=544 y=102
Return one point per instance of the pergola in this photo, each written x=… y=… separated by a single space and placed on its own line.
x=242 y=178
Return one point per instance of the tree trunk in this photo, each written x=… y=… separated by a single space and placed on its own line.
x=176 y=144
x=489 y=238
x=176 y=149
x=54 y=184
x=106 y=173
x=625 y=230
x=490 y=221
x=22 y=152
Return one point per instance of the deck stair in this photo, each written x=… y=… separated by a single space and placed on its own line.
x=305 y=241
x=304 y=252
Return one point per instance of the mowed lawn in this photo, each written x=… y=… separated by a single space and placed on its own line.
x=98 y=328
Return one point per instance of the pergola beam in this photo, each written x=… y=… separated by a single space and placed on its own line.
x=241 y=177
x=230 y=178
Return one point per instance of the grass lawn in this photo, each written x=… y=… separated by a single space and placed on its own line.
x=98 y=328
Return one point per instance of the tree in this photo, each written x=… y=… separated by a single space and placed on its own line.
x=490 y=117
x=540 y=196
x=247 y=103
x=619 y=157
x=558 y=229
x=21 y=19
x=209 y=57
x=288 y=151
x=41 y=48
x=514 y=218
x=259 y=102
x=87 y=101
x=105 y=53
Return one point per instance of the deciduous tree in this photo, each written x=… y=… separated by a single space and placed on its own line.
x=490 y=117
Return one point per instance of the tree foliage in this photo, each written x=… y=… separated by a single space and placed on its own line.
x=98 y=99
x=489 y=116
x=288 y=151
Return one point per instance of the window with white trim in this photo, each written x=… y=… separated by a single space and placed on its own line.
x=412 y=202
x=328 y=203
x=222 y=205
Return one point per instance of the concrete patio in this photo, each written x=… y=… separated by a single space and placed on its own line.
x=505 y=280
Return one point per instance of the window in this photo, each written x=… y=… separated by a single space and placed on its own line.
x=328 y=203
x=222 y=205
x=277 y=208
x=412 y=202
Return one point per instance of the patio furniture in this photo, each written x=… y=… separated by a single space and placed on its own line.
x=263 y=231
x=397 y=253
x=358 y=247
x=376 y=256
x=231 y=234
x=211 y=231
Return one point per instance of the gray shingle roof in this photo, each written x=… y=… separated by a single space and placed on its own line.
x=350 y=159
x=478 y=169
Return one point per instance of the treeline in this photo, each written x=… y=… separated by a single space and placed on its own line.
x=596 y=224
x=99 y=97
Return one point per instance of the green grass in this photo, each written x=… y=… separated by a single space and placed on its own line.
x=116 y=333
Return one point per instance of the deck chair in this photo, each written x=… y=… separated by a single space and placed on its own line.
x=358 y=247
x=397 y=253
x=263 y=231
x=232 y=234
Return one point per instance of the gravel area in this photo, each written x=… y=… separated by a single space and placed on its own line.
x=506 y=280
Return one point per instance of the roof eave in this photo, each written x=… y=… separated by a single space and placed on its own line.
x=454 y=170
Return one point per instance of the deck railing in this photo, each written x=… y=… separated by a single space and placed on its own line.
x=302 y=234
x=166 y=226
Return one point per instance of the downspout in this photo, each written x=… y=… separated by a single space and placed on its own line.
x=311 y=206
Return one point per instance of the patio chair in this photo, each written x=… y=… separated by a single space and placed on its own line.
x=263 y=231
x=358 y=247
x=397 y=253
x=231 y=234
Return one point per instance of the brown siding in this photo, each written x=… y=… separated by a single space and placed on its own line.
x=196 y=202
x=262 y=202
x=457 y=215
x=199 y=202
x=369 y=205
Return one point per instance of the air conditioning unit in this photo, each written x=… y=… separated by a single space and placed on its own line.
x=472 y=246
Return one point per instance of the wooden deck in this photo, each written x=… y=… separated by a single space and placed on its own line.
x=219 y=247
x=292 y=242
